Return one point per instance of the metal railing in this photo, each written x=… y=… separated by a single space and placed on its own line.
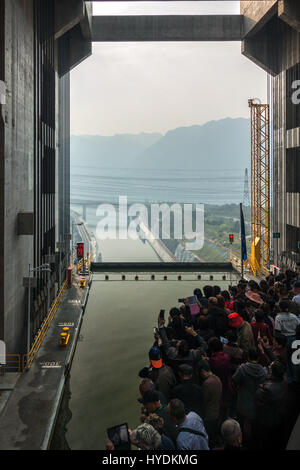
x=12 y=363
x=256 y=269
x=85 y=262
x=28 y=358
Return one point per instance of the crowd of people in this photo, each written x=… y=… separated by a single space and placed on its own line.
x=225 y=377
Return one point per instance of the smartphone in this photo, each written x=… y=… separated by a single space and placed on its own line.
x=119 y=436
x=162 y=314
x=223 y=340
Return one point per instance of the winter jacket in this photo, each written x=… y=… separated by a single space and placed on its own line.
x=247 y=379
x=163 y=379
x=271 y=403
x=212 y=394
x=175 y=360
x=218 y=321
x=190 y=394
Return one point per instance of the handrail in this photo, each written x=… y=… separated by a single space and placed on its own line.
x=16 y=361
x=28 y=358
x=255 y=268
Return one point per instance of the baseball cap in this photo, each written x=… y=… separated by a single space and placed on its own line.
x=155 y=357
x=235 y=320
x=150 y=396
x=296 y=284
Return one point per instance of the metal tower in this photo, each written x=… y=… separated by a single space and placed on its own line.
x=246 y=201
x=260 y=187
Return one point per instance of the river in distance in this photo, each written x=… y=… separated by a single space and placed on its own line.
x=183 y=186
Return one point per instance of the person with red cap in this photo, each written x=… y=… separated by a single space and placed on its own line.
x=245 y=336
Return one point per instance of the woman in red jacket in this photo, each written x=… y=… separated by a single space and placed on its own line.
x=260 y=328
x=220 y=366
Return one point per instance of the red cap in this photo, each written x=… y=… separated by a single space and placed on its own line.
x=235 y=320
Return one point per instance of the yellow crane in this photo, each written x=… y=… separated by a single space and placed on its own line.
x=260 y=187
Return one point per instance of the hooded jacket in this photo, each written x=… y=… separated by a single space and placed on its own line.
x=247 y=379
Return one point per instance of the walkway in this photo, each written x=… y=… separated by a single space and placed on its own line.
x=27 y=420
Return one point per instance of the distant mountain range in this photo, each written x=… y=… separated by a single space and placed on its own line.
x=215 y=145
x=118 y=151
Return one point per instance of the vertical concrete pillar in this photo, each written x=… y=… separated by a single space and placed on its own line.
x=2 y=78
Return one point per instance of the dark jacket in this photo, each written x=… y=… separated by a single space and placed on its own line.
x=163 y=379
x=271 y=398
x=247 y=379
x=206 y=334
x=190 y=394
x=166 y=443
x=220 y=366
x=218 y=321
x=293 y=306
x=236 y=354
x=169 y=428
x=175 y=360
x=212 y=394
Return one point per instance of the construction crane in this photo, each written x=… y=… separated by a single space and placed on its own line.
x=246 y=201
x=260 y=187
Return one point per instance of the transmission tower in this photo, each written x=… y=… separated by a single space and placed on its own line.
x=260 y=187
x=246 y=201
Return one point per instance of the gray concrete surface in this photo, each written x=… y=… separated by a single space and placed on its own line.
x=9 y=380
x=167 y=28
x=28 y=417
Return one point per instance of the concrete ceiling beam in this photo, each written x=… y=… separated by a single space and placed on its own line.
x=167 y=28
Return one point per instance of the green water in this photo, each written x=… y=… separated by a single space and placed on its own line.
x=117 y=333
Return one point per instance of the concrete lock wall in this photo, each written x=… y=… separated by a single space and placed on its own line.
x=16 y=167
x=28 y=191
x=272 y=41
x=3 y=100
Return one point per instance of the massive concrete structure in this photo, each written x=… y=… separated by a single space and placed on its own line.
x=40 y=42
x=273 y=43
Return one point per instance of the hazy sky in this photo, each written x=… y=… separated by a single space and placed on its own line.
x=155 y=87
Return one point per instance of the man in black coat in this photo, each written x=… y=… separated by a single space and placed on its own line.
x=187 y=391
x=271 y=402
x=217 y=317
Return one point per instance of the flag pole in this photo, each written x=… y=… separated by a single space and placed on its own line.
x=242 y=253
